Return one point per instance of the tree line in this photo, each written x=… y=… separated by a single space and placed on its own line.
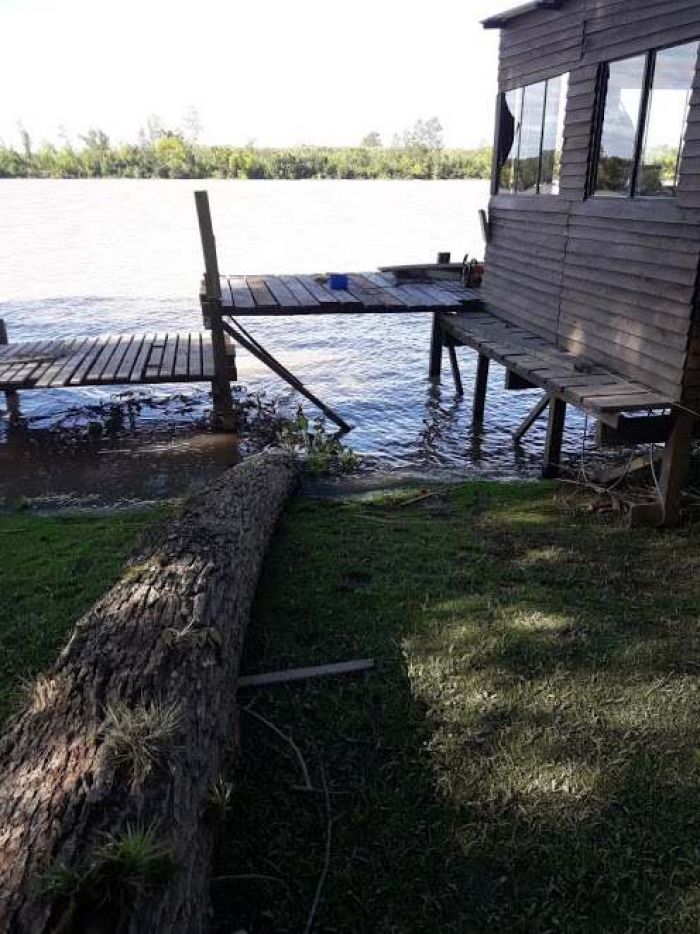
x=161 y=153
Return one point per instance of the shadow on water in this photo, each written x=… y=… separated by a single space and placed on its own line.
x=522 y=760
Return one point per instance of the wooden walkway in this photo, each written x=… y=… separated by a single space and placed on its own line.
x=588 y=386
x=367 y=293
x=109 y=360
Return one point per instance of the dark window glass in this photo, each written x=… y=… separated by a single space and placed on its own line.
x=508 y=138
x=530 y=137
x=671 y=87
x=553 y=134
x=528 y=165
x=620 y=125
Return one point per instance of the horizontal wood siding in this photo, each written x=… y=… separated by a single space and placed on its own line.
x=525 y=262
x=614 y=280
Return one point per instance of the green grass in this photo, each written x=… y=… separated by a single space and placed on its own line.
x=53 y=569
x=526 y=756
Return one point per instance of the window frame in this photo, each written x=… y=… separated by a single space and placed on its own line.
x=496 y=188
x=602 y=79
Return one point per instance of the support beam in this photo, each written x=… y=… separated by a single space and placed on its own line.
x=436 y=338
x=454 y=363
x=482 y=380
x=221 y=386
x=675 y=467
x=555 y=436
x=11 y=395
x=515 y=382
x=531 y=417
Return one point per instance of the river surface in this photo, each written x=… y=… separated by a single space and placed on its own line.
x=110 y=256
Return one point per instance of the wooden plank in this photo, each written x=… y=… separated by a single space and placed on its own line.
x=155 y=358
x=279 y=291
x=195 y=356
x=86 y=363
x=207 y=357
x=168 y=362
x=633 y=402
x=261 y=294
x=300 y=292
x=72 y=353
x=226 y=295
x=241 y=294
x=100 y=361
x=302 y=674
x=319 y=291
x=109 y=373
x=126 y=365
x=182 y=356
x=141 y=360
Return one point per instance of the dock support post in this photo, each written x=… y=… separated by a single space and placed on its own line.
x=221 y=386
x=555 y=436
x=482 y=381
x=454 y=364
x=531 y=417
x=11 y=395
x=675 y=467
x=436 y=348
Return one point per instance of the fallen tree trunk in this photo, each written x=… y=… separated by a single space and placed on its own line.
x=107 y=774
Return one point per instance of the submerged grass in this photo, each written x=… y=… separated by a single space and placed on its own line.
x=525 y=757
x=53 y=569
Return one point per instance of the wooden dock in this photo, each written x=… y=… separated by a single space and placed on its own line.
x=111 y=360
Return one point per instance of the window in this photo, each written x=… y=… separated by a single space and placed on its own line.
x=530 y=138
x=644 y=119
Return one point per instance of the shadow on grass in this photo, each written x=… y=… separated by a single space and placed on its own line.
x=524 y=758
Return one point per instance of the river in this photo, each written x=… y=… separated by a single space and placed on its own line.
x=97 y=256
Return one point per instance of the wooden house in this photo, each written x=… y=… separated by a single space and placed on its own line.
x=594 y=216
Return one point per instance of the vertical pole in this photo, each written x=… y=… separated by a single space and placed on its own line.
x=436 y=336
x=456 y=375
x=675 y=466
x=11 y=395
x=482 y=381
x=221 y=387
x=555 y=436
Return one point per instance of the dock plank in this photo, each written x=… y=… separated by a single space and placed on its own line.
x=99 y=363
x=64 y=365
x=77 y=377
x=300 y=292
x=323 y=295
x=195 y=356
x=261 y=294
x=282 y=295
x=241 y=294
x=182 y=356
x=207 y=356
x=168 y=362
x=141 y=360
x=126 y=366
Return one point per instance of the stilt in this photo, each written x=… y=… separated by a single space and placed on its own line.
x=482 y=380
x=11 y=395
x=454 y=363
x=531 y=417
x=555 y=436
x=675 y=467
x=221 y=386
x=436 y=339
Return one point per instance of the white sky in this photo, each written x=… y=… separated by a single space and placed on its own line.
x=279 y=72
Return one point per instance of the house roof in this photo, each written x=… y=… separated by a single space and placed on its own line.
x=502 y=19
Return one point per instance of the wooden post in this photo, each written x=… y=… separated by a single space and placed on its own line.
x=531 y=417
x=11 y=395
x=220 y=385
x=675 y=466
x=555 y=436
x=436 y=336
x=456 y=375
x=482 y=381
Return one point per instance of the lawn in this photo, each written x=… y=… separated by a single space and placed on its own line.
x=53 y=569
x=524 y=758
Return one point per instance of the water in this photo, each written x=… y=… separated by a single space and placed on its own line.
x=99 y=256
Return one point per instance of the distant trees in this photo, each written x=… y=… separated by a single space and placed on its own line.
x=161 y=152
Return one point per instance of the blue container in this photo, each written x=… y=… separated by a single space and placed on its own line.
x=338 y=280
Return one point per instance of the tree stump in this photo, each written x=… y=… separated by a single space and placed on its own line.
x=107 y=774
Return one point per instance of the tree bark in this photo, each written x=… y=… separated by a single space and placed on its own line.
x=167 y=638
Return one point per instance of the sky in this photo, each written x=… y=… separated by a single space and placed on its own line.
x=276 y=72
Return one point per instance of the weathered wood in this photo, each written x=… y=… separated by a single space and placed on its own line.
x=436 y=339
x=11 y=395
x=167 y=637
x=454 y=364
x=303 y=674
x=555 y=436
x=676 y=463
x=480 y=386
x=220 y=384
x=531 y=417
